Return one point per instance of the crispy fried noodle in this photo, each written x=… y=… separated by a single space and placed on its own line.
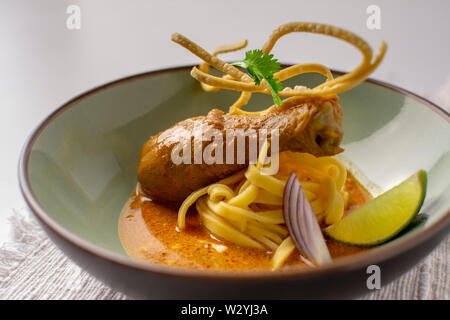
x=246 y=208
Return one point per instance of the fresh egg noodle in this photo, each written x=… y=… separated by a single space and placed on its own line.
x=247 y=208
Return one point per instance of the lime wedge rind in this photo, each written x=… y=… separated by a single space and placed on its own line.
x=383 y=218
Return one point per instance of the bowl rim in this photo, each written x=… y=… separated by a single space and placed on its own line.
x=349 y=263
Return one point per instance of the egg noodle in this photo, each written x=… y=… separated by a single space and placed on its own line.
x=234 y=79
x=247 y=208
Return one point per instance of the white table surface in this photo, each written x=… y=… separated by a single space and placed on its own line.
x=43 y=64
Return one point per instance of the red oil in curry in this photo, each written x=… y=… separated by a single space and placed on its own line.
x=148 y=232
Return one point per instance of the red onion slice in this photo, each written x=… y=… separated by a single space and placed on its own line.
x=302 y=223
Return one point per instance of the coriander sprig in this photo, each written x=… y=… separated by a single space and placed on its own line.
x=261 y=66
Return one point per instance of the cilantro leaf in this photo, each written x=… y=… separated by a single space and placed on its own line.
x=261 y=66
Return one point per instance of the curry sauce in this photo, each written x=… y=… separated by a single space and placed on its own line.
x=148 y=231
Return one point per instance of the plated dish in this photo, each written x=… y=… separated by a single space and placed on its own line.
x=210 y=197
x=79 y=167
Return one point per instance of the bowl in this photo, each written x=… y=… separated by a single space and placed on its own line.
x=78 y=168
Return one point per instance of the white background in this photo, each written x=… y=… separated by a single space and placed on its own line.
x=43 y=64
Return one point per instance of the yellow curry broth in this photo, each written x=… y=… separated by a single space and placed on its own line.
x=148 y=231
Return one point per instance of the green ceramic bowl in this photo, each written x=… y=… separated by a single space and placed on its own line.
x=79 y=167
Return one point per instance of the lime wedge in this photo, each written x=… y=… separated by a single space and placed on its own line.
x=383 y=217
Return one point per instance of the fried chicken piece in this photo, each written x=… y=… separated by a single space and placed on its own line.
x=313 y=126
